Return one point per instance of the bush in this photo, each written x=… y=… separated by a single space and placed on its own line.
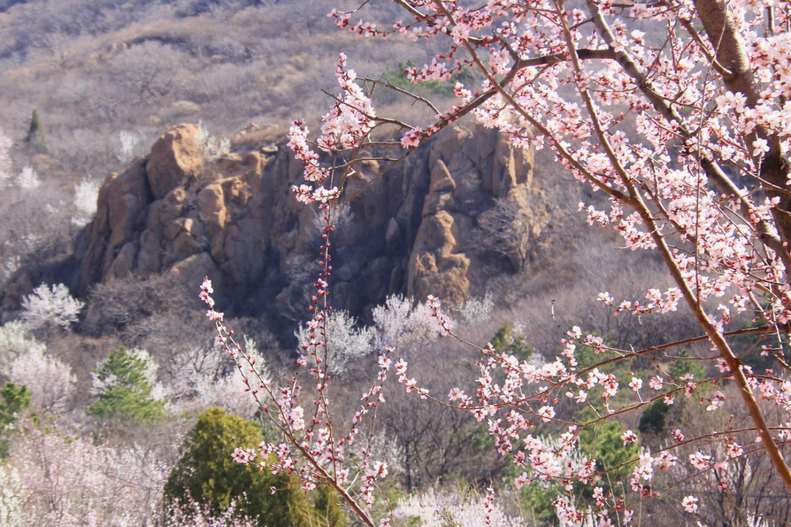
x=13 y=400
x=604 y=443
x=207 y=474
x=35 y=134
x=653 y=420
x=124 y=388
x=509 y=341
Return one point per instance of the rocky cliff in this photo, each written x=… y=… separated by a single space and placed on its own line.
x=459 y=210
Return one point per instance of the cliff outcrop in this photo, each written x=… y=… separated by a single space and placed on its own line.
x=459 y=210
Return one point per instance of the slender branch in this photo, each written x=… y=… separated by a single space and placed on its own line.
x=404 y=92
x=708 y=326
x=711 y=167
x=562 y=150
x=764 y=330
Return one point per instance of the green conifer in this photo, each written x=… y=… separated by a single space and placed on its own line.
x=208 y=474
x=14 y=398
x=124 y=389
x=35 y=134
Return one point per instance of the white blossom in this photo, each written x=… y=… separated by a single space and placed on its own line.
x=50 y=305
x=348 y=340
x=28 y=179
x=50 y=381
x=86 y=194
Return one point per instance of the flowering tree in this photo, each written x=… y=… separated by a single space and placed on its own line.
x=677 y=112
x=49 y=380
x=199 y=377
x=86 y=193
x=15 y=341
x=28 y=179
x=350 y=342
x=5 y=158
x=50 y=306
x=71 y=481
x=128 y=141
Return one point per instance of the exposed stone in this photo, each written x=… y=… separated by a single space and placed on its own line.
x=121 y=210
x=185 y=108
x=393 y=231
x=123 y=263
x=461 y=209
x=176 y=159
x=437 y=266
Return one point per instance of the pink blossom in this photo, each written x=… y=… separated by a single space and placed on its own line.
x=547 y=413
x=629 y=437
x=690 y=504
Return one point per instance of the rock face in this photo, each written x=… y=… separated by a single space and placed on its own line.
x=462 y=208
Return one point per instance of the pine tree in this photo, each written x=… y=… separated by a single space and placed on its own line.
x=508 y=341
x=14 y=398
x=35 y=134
x=123 y=386
x=208 y=474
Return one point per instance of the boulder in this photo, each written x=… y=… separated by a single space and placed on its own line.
x=461 y=209
x=176 y=159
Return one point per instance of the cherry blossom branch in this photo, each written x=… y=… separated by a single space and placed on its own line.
x=561 y=149
x=712 y=168
x=691 y=298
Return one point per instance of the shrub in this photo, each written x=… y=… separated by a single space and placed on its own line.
x=13 y=400
x=604 y=443
x=506 y=340
x=652 y=421
x=124 y=388
x=35 y=133
x=207 y=474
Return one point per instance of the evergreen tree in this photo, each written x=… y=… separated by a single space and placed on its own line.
x=653 y=420
x=35 y=134
x=506 y=340
x=208 y=474
x=14 y=398
x=123 y=386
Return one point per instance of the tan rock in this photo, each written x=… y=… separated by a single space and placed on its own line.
x=211 y=205
x=176 y=159
x=121 y=209
x=436 y=266
x=462 y=209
